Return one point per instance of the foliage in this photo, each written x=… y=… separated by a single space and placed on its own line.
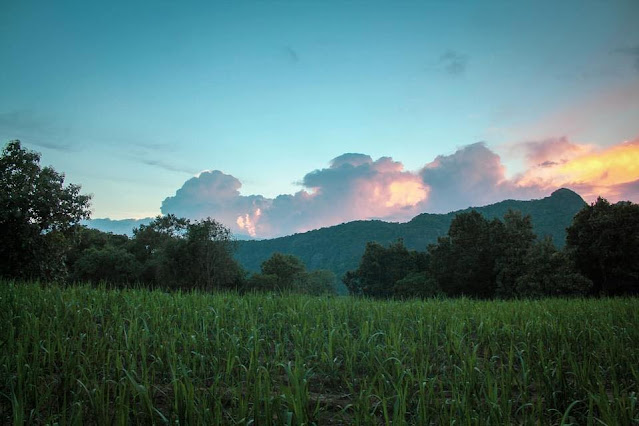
x=463 y=262
x=263 y=283
x=181 y=254
x=417 y=284
x=285 y=267
x=110 y=264
x=515 y=239
x=549 y=272
x=81 y=355
x=381 y=267
x=603 y=240
x=316 y=283
x=38 y=215
x=209 y=249
x=340 y=248
x=284 y=272
x=169 y=253
x=478 y=258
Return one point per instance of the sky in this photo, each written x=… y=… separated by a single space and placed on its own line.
x=281 y=117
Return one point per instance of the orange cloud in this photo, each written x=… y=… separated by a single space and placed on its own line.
x=618 y=164
x=248 y=222
x=356 y=187
x=597 y=173
x=405 y=194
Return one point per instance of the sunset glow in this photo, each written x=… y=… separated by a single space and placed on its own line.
x=595 y=173
x=619 y=164
x=248 y=222
x=406 y=193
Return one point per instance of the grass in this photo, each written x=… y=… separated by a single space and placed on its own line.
x=81 y=355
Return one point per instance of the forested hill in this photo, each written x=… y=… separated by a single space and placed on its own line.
x=339 y=248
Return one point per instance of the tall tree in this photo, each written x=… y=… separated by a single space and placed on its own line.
x=210 y=247
x=463 y=262
x=285 y=267
x=549 y=272
x=381 y=268
x=513 y=241
x=603 y=240
x=38 y=214
x=178 y=253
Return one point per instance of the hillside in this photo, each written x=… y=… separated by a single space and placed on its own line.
x=339 y=248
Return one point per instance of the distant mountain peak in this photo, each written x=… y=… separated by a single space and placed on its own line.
x=339 y=248
x=566 y=193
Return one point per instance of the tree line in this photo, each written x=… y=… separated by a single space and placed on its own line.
x=41 y=239
x=504 y=259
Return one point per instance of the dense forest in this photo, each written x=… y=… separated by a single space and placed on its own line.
x=340 y=248
x=511 y=249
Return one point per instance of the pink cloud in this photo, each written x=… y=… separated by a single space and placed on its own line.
x=354 y=187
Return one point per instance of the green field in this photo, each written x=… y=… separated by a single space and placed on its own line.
x=81 y=355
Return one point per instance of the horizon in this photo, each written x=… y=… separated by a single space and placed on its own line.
x=116 y=225
x=281 y=118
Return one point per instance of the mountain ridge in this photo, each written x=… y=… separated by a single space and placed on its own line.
x=340 y=247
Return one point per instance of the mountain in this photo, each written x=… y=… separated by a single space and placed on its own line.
x=339 y=248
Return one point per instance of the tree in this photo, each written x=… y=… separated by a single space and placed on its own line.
x=463 y=262
x=321 y=281
x=381 y=267
x=603 y=240
x=38 y=214
x=210 y=247
x=286 y=267
x=178 y=253
x=416 y=285
x=547 y=271
x=262 y=283
x=110 y=264
x=514 y=240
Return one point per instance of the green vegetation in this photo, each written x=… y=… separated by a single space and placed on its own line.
x=81 y=355
x=37 y=216
x=603 y=239
x=285 y=272
x=477 y=258
x=340 y=248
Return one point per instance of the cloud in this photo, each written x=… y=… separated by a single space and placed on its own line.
x=144 y=153
x=355 y=186
x=610 y=172
x=454 y=63
x=34 y=129
x=352 y=187
x=214 y=194
x=166 y=166
x=553 y=150
x=473 y=176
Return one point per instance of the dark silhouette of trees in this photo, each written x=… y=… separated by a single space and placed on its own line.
x=285 y=267
x=38 y=215
x=514 y=240
x=477 y=258
x=417 y=285
x=547 y=271
x=603 y=240
x=382 y=267
x=285 y=272
x=177 y=253
x=463 y=262
x=110 y=264
x=318 y=282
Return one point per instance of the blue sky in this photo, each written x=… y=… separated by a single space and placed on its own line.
x=132 y=99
